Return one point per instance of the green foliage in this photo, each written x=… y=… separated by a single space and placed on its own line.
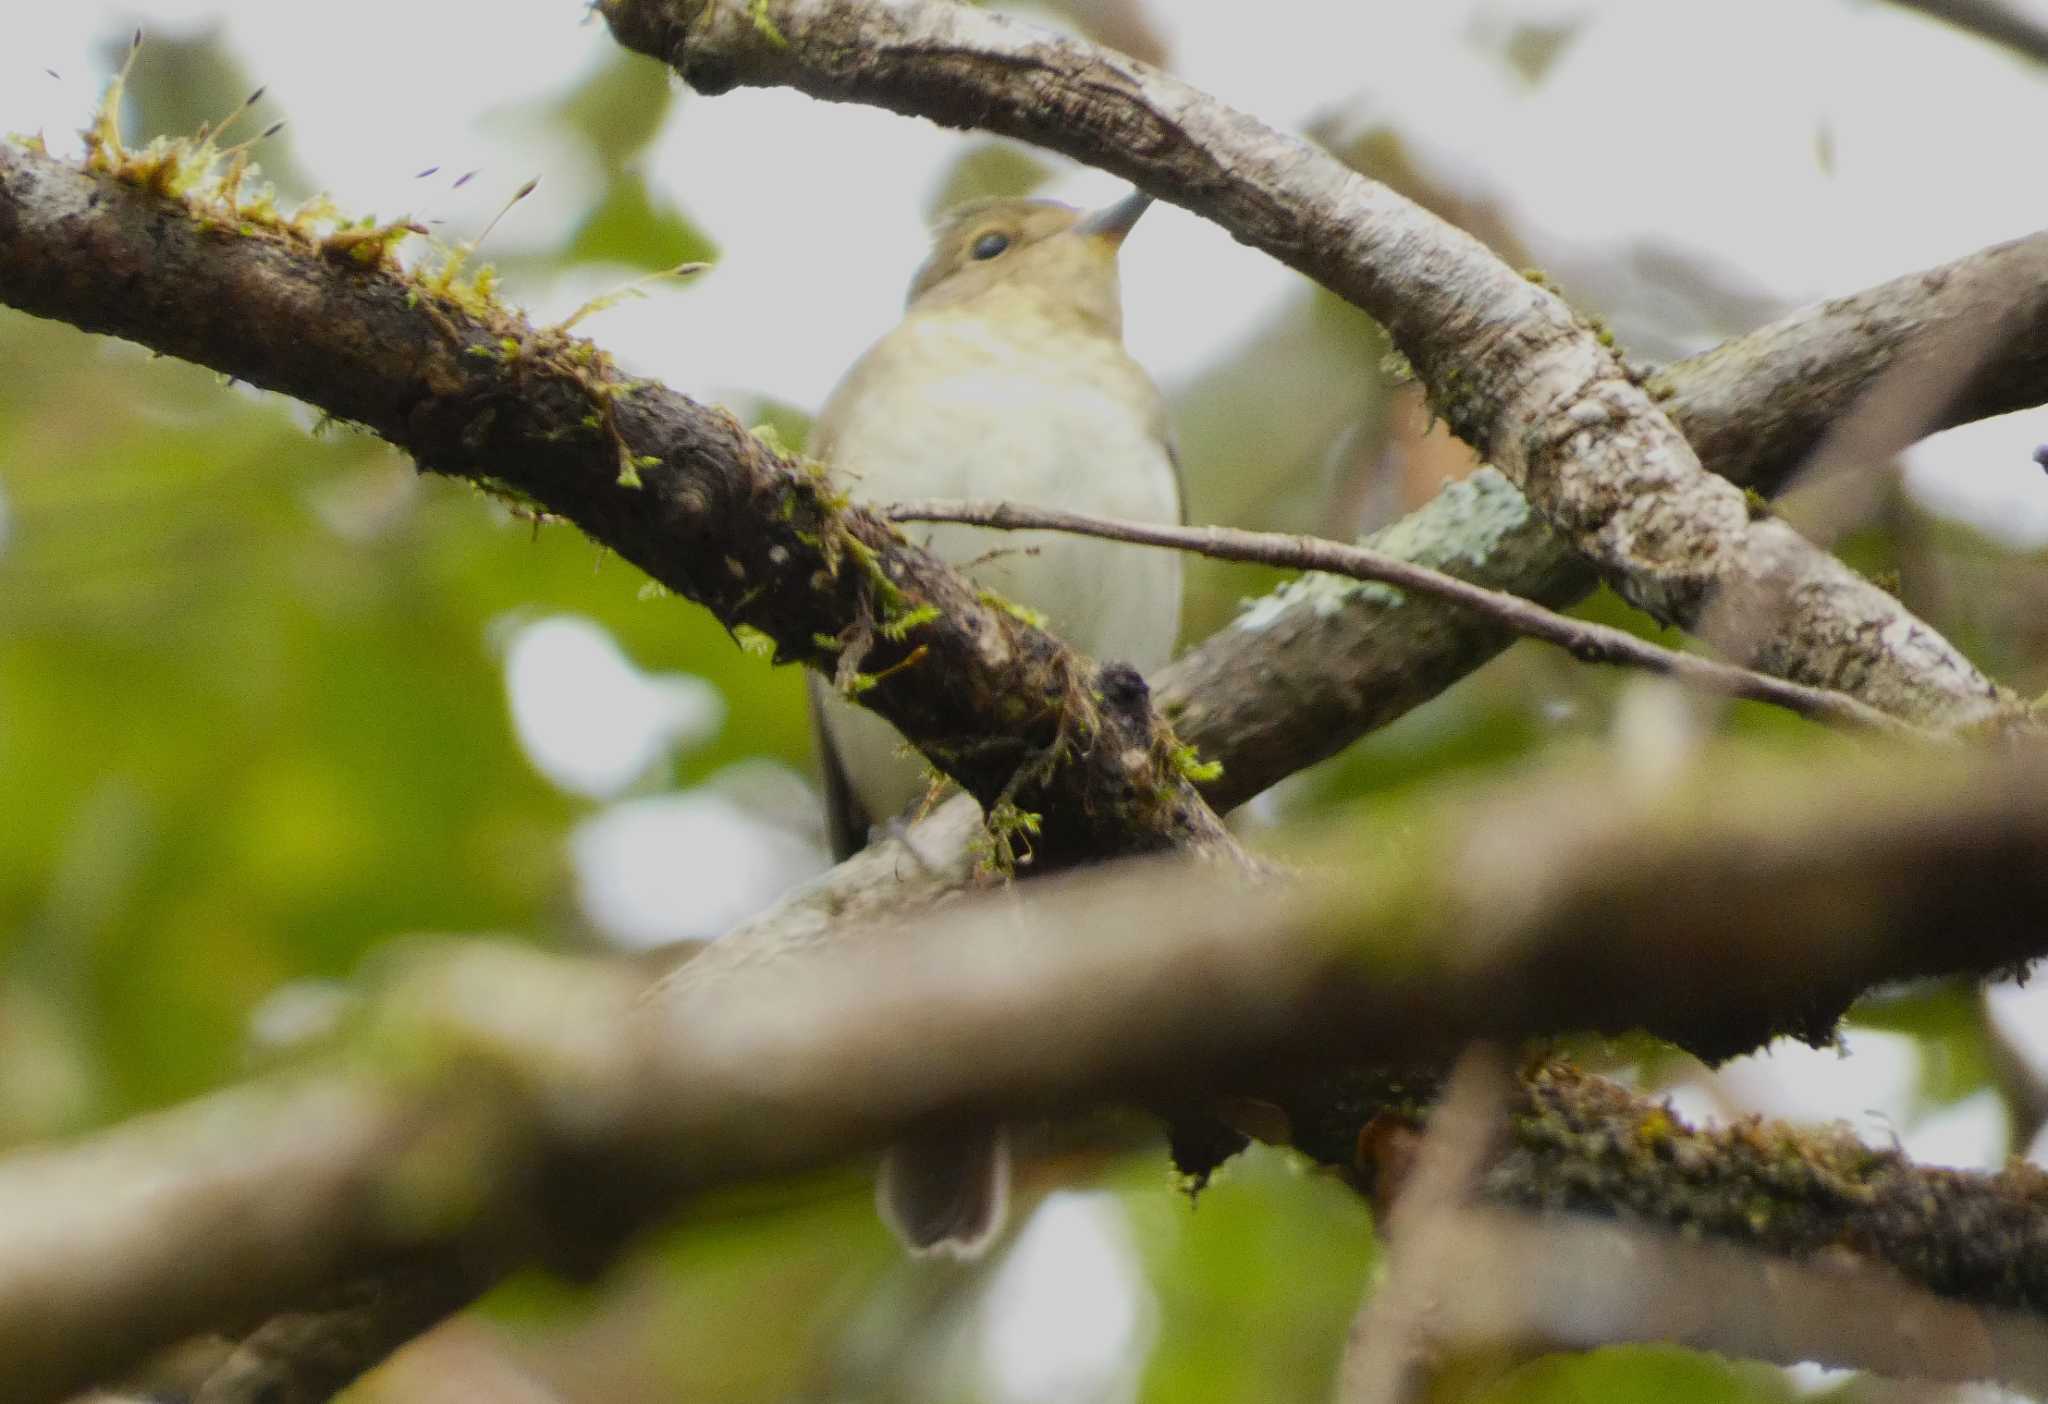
x=1637 y=1375
x=1256 y=1280
x=629 y=225
x=1946 y=1019
x=255 y=721
x=752 y=1297
x=619 y=108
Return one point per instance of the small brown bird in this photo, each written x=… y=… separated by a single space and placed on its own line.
x=1007 y=378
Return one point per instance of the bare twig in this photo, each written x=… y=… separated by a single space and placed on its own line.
x=1588 y=642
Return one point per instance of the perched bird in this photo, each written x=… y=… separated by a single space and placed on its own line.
x=1007 y=378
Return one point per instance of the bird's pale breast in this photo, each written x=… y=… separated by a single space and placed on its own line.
x=952 y=405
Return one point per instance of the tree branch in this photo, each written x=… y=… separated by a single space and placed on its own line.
x=470 y=389
x=501 y=1097
x=2000 y=21
x=1757 y=406
x=1511 y=368
x=1497 y=1279
x=1586 y=641
x=712 y=477
x=1334 y=661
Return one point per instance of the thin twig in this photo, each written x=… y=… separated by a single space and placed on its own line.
x=1586 y=641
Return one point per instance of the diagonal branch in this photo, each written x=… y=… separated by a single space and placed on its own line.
x=1511 y=368
x=471 y=390
x=1336 y=661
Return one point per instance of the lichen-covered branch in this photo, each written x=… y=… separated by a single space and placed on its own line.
x=496 y=1096
x=685 y=492
x=1335 y=661
x=1496 y=1280
x=1512 y=369
x=1322 y=660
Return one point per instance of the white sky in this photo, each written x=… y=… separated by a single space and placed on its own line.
x=1672 y=135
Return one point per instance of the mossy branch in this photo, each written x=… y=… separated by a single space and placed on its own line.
x=315 y=306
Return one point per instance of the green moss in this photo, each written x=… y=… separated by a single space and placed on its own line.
x=764 y=23
x=771 y=438
x=1192 y=768
x=899 y=626
x=1017 y=611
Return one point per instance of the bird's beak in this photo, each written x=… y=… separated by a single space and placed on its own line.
x=1112 y=222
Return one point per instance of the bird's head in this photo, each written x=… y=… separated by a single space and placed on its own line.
x=1052 y=257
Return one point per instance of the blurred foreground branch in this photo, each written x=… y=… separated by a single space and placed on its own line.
x=1463 y=1279
x=496 y=1097
x=1495 y=1279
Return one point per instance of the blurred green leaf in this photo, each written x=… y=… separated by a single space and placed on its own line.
x=1256 y=1279
x=628 y=226
x=252 y=714
x=620 y=107
x=985 y=170
x=1946 y=1018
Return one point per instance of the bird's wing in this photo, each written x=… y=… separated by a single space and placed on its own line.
x=847 y=820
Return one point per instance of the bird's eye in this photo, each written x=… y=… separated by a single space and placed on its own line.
x=990 y=244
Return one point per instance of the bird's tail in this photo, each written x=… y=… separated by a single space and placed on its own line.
x=947 y=1192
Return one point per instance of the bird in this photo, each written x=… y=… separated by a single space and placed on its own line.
x=1007 y=378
